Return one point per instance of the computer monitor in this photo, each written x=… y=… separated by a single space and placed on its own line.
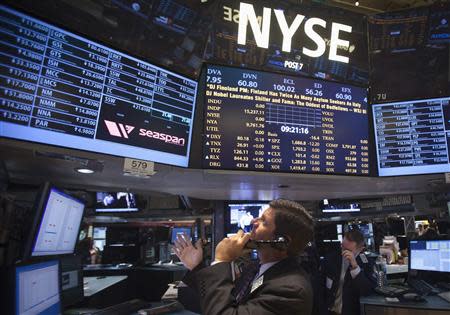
x=241 y=215
x=99 y=232
x=37 y=288
x=99 y=235
x=116 y=202
x=429 y=255
x=180 y=230
x=56 y=224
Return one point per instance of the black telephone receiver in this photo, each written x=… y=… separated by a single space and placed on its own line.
x=280 y=243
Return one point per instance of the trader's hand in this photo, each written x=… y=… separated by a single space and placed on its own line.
x=189 y=255
x=231 y=248
x=350 y=257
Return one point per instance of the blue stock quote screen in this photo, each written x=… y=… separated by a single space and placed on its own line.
x=61 y=89
x=263 y=121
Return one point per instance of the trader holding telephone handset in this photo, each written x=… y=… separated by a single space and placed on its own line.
x=278 y=285
x=349 y=274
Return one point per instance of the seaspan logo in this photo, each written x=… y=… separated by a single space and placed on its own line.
x=161 y=136
x=118 y=129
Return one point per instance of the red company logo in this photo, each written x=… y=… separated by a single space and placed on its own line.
x=118 y=129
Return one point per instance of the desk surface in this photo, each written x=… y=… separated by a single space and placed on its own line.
x=108 y=267
x=184 y=312
x=163 y=267
x=93 y=285
x=433 y=302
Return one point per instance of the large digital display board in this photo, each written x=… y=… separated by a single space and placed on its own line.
x=169 y=33
x=223 y=46
x=270 y=122
x=412 y=137
x=61 y=89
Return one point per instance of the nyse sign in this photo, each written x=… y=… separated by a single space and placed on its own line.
x=260 y=27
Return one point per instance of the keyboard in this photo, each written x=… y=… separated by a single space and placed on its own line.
x=124 y=308
x=163 y=308
x=421 y=287
x=391 y=290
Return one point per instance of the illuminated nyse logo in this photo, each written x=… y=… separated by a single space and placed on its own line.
x=247 y=15
x=122 y=131
x=118 y=129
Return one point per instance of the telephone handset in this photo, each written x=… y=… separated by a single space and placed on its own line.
x=279 y=242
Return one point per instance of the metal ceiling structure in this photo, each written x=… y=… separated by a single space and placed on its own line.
x=27 y=163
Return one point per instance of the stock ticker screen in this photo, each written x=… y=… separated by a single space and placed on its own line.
x=263 y=121
x=62 y=89
x=412 y=137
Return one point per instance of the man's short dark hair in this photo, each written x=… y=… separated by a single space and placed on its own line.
x=356 y=236
x=293 y=221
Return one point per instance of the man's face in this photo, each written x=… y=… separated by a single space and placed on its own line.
x=264 y=226
x=350 y=245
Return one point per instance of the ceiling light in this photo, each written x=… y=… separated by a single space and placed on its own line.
x=357 y=3
x=84 y=170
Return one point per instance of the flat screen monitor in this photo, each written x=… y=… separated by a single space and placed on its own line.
x=57 y=223
x=116 y=202
x=412 y=137
x=259 y=121
x=37 y=289
x=62 y=89
x=99 y=232
x=242 y=214
x=430 y=255
x=180 y=230
x=333 y=207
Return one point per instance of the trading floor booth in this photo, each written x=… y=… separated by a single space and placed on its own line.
x=428 y=283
